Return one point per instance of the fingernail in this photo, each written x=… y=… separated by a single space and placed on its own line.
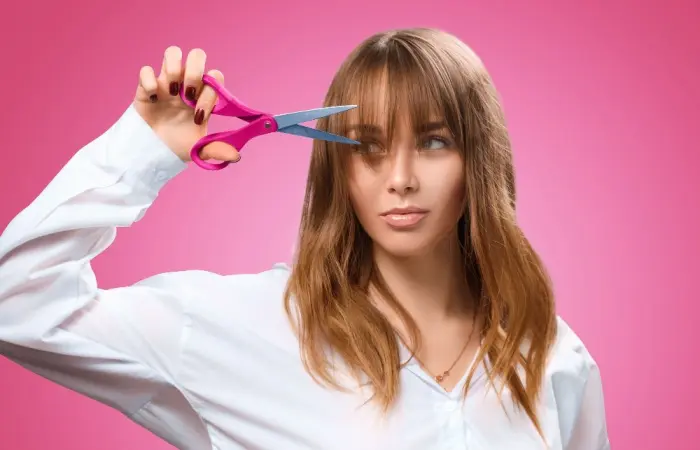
x=153 y=98
x=174 y=88
x=237 y=159
x=189 y=93
x=199 y=116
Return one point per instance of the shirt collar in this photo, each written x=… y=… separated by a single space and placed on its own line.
x=406 y=357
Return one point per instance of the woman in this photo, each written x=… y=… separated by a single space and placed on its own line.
x=416 y=314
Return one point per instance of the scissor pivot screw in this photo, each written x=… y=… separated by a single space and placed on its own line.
x=267 y=124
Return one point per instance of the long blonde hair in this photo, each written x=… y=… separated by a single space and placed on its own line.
x=424 y=70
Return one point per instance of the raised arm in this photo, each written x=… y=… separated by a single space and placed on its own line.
x=118 y=346
x=54 y=319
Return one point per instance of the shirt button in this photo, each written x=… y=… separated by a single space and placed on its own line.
x=160 y=176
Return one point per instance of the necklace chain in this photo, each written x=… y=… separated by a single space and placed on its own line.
x=446 y=373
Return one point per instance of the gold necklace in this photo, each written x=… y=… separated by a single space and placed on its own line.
x=441 y=377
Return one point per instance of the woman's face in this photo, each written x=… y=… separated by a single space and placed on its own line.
x=409 y=197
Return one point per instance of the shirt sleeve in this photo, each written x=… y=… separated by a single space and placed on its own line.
x=578 y=389
x=118 y=346
x=590 y=429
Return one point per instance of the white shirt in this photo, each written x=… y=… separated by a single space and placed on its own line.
x=209 y=361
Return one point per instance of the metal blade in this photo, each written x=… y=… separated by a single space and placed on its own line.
x=285 y=120
x=301 y=130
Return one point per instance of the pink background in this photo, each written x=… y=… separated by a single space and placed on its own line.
x=602 y=101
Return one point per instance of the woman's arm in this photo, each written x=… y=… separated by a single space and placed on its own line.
x=118 y=346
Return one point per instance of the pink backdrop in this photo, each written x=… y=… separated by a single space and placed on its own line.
x=602 y=102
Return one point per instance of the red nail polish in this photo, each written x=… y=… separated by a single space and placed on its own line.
x=190 y=93
x=153 y=98
x=174 y=88
x=199 y=116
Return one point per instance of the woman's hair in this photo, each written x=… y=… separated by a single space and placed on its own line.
x=423 y=72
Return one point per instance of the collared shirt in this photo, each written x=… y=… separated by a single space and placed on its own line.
x=209 y=361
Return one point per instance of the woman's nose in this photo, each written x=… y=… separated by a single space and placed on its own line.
x=402 y=177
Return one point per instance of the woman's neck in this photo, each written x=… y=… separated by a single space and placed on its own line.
x=431 y=287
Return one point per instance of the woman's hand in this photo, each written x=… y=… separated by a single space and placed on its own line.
x=179 y=125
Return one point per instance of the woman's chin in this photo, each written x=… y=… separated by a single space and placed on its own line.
x=404 y=246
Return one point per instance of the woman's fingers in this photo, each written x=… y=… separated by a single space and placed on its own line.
x=194 y=71
x=172 y=78
x=207 y=99
x=205 y=104
x=180 y=124
x=148 y=84
x=171 y=71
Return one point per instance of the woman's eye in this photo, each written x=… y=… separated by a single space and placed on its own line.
x=435 y=143
x=368 y=147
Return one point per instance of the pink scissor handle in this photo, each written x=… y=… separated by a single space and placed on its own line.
x=226 y=104
x=236 y=138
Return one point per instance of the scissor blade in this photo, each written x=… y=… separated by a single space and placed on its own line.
x=301 y=130
x=285 y=120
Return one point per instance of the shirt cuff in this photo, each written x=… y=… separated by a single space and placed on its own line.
x=144 y=159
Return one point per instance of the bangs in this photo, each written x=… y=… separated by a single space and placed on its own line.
x=392 y=80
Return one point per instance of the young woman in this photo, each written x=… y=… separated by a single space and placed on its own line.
x=416 y=314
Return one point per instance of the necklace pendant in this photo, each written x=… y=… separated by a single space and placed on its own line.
x=441 y=378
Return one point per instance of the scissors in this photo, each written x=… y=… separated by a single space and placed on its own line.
x=259 y=123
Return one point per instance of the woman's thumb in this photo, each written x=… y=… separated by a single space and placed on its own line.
x=220 y=152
